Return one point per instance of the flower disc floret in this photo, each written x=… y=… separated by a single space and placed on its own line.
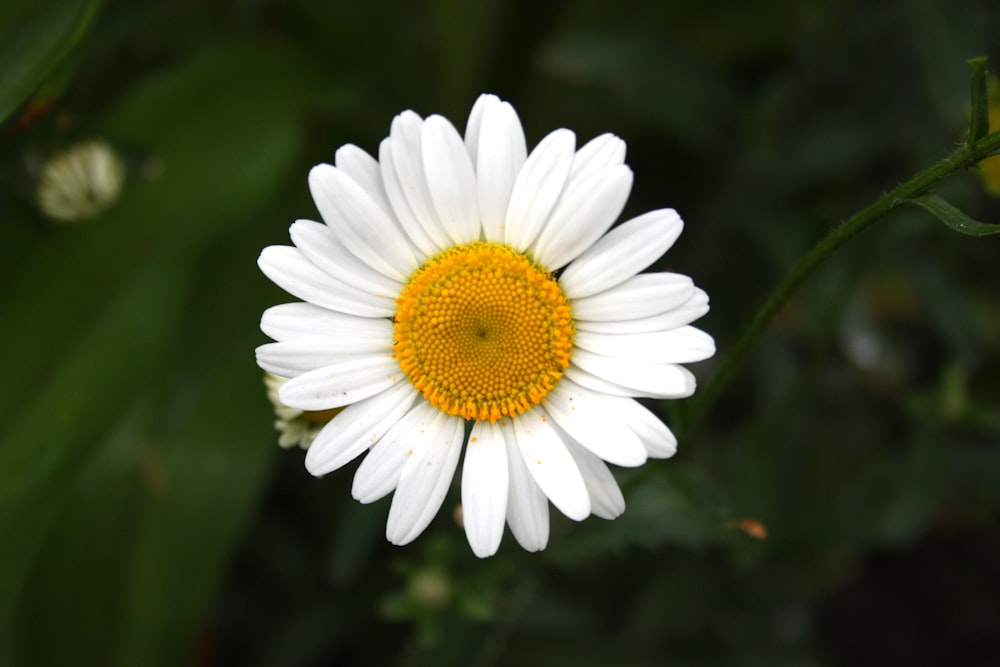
x=483 y=332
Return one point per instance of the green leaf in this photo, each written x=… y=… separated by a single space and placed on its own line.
x=133 y=561
x=36 y=48
x=225 y=129
x=42 y=450
x=979 y=118
x=953 y=217
x=211 y=472
x=134 y=558
x=76 y=579
x=92 y=316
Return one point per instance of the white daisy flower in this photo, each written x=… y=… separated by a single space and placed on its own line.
x=81 y=182
x=297 y=427
x=465 y=293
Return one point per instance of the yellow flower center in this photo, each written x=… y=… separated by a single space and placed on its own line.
x=482 y=331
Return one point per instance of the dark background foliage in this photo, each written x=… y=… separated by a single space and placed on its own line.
x=147 y=516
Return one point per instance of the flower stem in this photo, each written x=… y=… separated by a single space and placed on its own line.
x=963 y=157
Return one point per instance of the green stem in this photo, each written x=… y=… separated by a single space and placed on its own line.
x=961 y=158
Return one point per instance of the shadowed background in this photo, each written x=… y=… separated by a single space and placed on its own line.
x=147 y=516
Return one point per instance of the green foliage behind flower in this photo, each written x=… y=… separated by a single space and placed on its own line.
x=147 y=515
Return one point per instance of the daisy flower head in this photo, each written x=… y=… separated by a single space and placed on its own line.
x=296 y=427
x=463 y=298
x=81 y=182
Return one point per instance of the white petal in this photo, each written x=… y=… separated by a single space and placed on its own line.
x=496 y=143
x=361 y=224
x=599 y=153
x=640 y=296
x=676 y=346
x=537 y=188
x=295 y=274
x=424 y=479
x=655 y=380
x=365 y=171
x=408 y=163
x=527 y=507
x=590 y=381
x=590 y=419
x=485 y=484
x=586 y=210
x=298 y=320
x=379 y=472
x=606 y=499
x=689 y=311
x=320 y=245
x=341 y=384
x=293 y=358
x=451 y=180
x=658 y=439
x=408 y=220
x=550 y=464
x=621 y=253
x=473 y=126
x=358 y=427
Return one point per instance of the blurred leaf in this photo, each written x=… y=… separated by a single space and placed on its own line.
x=356 y=535
x=89 y=319
x=979 y=111
x=132 y=564
x=680 y=504
x=942 y=38
x=33 y=50
x=949 y=307
x=224 y=129
x=465 y=33
x=612 y=72
x=42 y=450
x=76 y=580
x=208 y=475
x=977 y=470
x=919 y=484
x=953 y=217
x=155 y=518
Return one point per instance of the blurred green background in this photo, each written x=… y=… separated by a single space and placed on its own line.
x=147 y=516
